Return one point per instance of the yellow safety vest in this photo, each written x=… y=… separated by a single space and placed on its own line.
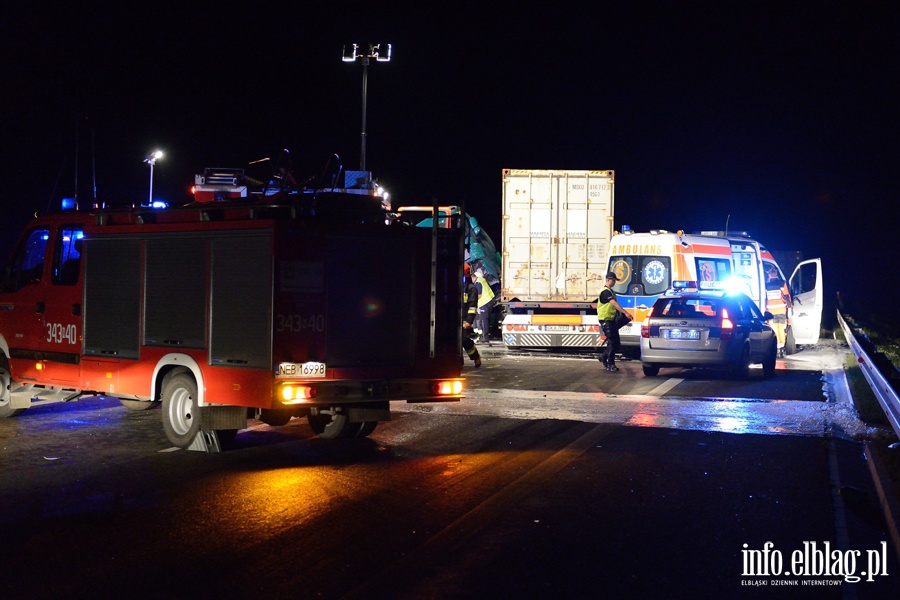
x=606 y=312
x=487 y=294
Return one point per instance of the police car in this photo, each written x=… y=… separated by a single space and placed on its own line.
x=702 y=324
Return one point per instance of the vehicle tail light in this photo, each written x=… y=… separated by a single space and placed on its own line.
x=447 y=388
x=727 y=326
x=645 y=328
x=296 y=394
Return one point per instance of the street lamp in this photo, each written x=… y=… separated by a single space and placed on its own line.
x=151 y=160
x=381 y=53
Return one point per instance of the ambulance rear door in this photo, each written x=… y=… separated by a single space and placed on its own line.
x=807 y=295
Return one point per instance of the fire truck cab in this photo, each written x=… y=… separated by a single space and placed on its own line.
x=297 y=303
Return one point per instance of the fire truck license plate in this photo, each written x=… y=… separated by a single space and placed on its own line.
x=307 y=369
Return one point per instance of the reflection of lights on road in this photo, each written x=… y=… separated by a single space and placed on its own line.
x=730 y=425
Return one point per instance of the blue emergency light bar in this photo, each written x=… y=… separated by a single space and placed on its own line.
x=699 y=285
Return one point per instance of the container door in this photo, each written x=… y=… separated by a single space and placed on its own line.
x=807 y=294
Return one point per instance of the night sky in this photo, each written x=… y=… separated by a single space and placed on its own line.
x=780 y=118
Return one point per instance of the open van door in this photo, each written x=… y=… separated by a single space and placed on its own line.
x=807 y=295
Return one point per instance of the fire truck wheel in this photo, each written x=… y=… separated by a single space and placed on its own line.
x=5 y=411
x=138 y=404
x=330 y=427
x=367 y=428
x=274 y=418
x=181 y=415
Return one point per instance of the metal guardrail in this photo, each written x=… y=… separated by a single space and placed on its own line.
x=887 y=396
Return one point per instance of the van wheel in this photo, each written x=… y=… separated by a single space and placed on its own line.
x=790 y=345
x=181 y=413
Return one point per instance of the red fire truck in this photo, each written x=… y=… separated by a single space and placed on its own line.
x=271 y=304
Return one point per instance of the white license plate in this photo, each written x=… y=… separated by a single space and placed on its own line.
x=556 y=328
x=307 y=369
x=681 y=334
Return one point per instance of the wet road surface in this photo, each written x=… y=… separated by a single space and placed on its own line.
x=456 y=500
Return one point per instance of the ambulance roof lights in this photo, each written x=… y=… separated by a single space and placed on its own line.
x=626 y=229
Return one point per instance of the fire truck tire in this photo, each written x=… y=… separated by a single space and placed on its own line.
x=138 y=404
x=181 y=415
x=5 y=411
x=367 y=428
x=332 y=427
x=790 y=344
x=274 y=418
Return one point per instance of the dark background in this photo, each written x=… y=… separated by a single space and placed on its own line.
x=778 y=118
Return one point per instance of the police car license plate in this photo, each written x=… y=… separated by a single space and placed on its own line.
x=306 y=369
x=681 y=334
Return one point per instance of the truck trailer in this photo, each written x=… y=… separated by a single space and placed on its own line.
x=557 y=225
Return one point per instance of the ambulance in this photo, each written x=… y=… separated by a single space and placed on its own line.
x=647 y=263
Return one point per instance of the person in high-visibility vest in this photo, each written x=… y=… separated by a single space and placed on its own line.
x=607 y=307
x=470 y=302
x=778 y=302
x=485 y=302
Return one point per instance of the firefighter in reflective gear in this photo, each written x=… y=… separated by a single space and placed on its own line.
x=607 y=307
x=778 y=302
x=485 y=302
x=470 y=304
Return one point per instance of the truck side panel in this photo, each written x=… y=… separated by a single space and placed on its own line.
x=112 y=297
x=241 y=300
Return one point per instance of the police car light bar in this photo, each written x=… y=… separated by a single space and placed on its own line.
x=698 y=285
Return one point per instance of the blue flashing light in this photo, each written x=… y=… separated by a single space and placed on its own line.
x=69 y=204
x=159 y=204
x=626 y=228
x=715 y=286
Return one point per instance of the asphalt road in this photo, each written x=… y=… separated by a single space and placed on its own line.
x=602 y=492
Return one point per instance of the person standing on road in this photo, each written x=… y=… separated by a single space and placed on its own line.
x=485 y=302
x=470 y=302
x=607 y=308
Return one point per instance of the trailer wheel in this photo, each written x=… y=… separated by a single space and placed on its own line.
x=332 y=427
x=5 y=411
x=181 y=415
